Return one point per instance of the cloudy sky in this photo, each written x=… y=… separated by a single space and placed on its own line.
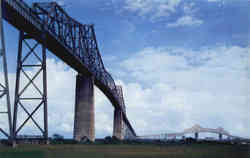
x=180 y=62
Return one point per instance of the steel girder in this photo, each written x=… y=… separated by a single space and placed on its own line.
x=120 y=98
x=127 y=130
x=4 y=85
x=77 y=37
x=81 y=40
x=25 y=63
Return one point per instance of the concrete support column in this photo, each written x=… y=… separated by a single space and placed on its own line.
x=220 y=136
x=196 y=135
x=118 y=124
x=84 y=123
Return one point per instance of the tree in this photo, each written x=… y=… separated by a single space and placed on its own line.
x=57 y=137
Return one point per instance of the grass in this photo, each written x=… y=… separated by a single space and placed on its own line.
x=126 y=151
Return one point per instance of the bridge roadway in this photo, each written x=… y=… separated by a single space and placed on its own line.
x=84 y=58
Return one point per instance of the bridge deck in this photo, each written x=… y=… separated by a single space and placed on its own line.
x=21 y=16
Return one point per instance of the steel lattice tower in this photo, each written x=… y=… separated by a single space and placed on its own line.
x=24 y=102
x=4 y=85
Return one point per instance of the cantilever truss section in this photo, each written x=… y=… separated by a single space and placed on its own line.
x=126 y=131
x=5 y=110
x=30 y=92
x=80 y=40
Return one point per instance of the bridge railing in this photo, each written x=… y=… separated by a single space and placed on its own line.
x=24 y=10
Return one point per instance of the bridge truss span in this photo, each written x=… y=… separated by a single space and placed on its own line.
x=78 y=38
x=193 y=130
x=68 y=39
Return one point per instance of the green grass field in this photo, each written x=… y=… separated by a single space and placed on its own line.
x=126 y=151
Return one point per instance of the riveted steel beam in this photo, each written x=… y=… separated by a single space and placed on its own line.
x=4 y=86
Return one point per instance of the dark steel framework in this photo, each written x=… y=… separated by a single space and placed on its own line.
x=122 y=104
x=121 y=99
x=71 y=41
x=4 y=86
x=81 y=40
x=23 y=66
x=127 y=133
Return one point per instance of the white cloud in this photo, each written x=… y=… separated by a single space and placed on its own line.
x=173 y=89
x=157 y=8
x=186 y=21
x=61 y=2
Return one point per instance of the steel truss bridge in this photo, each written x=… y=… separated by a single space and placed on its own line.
x=50 y=27
x=193 y=130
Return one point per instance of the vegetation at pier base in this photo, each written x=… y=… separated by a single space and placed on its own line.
x=126 y=151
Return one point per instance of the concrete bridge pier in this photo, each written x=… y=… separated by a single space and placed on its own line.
x=84 y=121
x=196 y=135
x=220 y=136
x=118 y=124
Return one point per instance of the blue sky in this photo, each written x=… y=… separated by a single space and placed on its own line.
x=181 y=62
